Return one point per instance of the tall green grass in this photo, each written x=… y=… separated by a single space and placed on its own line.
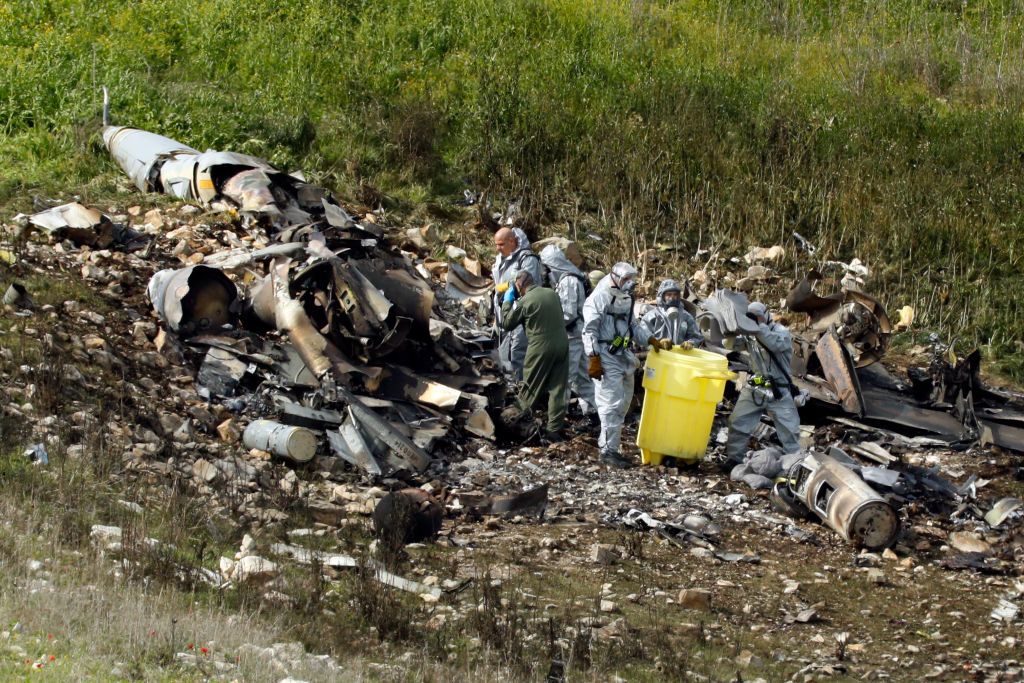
x=890 y=130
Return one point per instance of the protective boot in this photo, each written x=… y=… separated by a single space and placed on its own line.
x=615 y=460
x=550 y=438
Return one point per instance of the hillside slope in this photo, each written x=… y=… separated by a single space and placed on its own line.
x=887 y=131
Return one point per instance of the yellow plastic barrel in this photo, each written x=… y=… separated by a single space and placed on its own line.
x=681 y=389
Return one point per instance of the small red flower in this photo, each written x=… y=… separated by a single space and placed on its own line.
x=203 y=650
x=53 y=657
x=191 y=645
x=49 y=636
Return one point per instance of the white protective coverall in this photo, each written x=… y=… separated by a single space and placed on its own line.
x=754 y=401
x=512 y=345
x=567 y=281
x=672 y=322
x=607 y=314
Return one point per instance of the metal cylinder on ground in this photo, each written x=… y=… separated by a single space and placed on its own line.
x=844 y=501
x=294 y=443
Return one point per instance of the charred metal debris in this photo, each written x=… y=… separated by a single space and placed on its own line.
x=335 y=333
x=335 y=339
x=859 y=419
x=836 y=361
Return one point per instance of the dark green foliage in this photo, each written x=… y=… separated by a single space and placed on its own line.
x=889 y=131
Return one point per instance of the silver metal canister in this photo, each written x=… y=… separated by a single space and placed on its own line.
x=845 y=502
x=294 y=443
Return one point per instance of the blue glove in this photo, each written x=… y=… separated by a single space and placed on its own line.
x=510 y=294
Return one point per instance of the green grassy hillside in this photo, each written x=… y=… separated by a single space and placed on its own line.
x=890 y=131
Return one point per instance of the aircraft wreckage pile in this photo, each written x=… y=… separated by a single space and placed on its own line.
x=342 y=303
x=346 y=350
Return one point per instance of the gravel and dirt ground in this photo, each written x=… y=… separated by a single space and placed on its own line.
x=88 y=373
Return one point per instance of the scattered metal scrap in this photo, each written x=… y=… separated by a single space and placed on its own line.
x=343 y=336
x=835 y=361
x=528 y=503
x=340 y=561
x=83 y=226
x=1008 y=610
x=17 y=295
x=319 y=331
x=462 y=284
x=1003 y=509
x=858 y=320
x=695 y=530
x=837 y=366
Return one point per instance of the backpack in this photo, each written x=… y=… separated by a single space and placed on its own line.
x=585 y=281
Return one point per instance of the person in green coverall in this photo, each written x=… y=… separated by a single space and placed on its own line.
x=546 y=368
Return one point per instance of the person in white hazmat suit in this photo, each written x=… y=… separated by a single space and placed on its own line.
x=669 y=320
x=768 y=389
x=567 y=281
x=609 y=332
x=514 y=255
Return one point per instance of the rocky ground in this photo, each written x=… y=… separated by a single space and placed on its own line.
x=89 y=374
